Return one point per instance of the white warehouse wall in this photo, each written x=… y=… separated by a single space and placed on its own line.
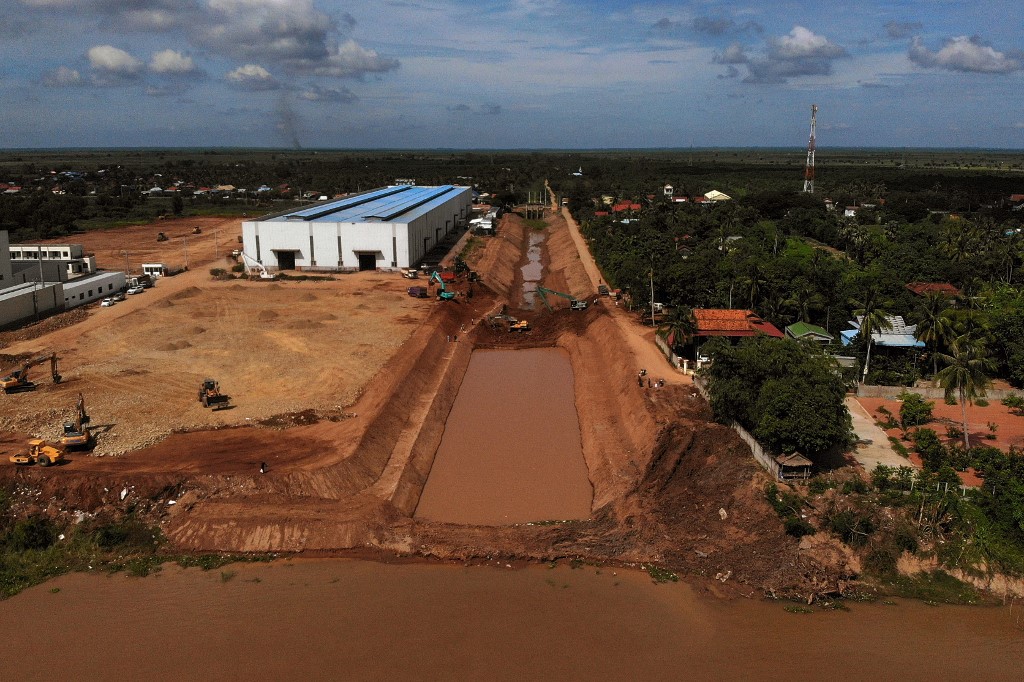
x=393 y=244
x=92 y=288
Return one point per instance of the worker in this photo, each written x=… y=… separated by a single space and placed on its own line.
x=640 y=379
x=263 y=467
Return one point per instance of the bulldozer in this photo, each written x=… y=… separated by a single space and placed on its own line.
x=39 y=452
x=210 y=395
x=161 y=237
x=77 y=434
x=18 y=380
x=197 y=230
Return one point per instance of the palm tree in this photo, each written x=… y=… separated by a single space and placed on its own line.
x=874 y=318
x=936 y=326
x=679 y=327
x=964 y=374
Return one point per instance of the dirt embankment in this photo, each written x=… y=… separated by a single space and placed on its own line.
x=669 y=485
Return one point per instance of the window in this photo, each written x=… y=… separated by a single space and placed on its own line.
x=90 y=293
x=81 y=296
x=109 y=287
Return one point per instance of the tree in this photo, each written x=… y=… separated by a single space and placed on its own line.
x=679 y=327
x=177 y=205
x=935 y=328
x=964 y=375
x=874 y=318
x=788 y=394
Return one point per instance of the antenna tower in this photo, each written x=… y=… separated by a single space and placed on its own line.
x=809 y=170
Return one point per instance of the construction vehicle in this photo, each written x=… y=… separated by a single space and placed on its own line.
x=574 y=303
x=210 y=395
x=161 y=237
x=443 y=294
x=460 y=266
x=39 y=452
x=519 y=326
x=411 y=273
x=255 y=269
x=76 y=433
x=18 y=380
x=197 y=230
x=418 y=292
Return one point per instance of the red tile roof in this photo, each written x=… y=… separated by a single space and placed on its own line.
x=719 y=322
x=925 y=288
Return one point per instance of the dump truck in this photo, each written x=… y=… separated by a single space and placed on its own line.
x=210 y=395
x=418 y=292
x=39 y=452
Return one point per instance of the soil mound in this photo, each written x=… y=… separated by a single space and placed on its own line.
x=187 y=293
x=304 y=324
x=174 y=345
x=307 y=297
x=164 y=303
x=267 y=315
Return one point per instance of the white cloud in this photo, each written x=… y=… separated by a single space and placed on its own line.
x=111 y=59
x=351 y=60
x=965 y=54
x=171 y=62
x=252 y=77
x=62 y=77
x=802 y=43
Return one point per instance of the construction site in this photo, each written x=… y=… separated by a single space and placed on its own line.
x=498 y=417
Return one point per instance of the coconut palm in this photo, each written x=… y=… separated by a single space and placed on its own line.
x=965 y=374
x=679 y=327
x=936 y=326
x=873 y=318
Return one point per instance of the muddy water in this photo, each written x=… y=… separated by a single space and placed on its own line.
x=533 y=269
x=511 y=448
x=338 y=619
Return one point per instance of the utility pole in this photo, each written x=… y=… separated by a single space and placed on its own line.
x=185 y=240
x=127 y=270
x=809 y=169
x=652 y=290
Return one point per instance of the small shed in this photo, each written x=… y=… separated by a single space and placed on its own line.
x=154 y=269
x=794 y=467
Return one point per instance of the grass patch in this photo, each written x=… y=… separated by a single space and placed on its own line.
x=660 y=575
x=536 y=225
x=936 y=587
x=226 y=576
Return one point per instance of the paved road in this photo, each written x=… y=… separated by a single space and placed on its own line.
x=873 y=446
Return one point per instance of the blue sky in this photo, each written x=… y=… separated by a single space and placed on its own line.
x=512 y=74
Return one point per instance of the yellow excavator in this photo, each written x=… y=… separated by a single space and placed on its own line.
x=39 y=452
x=18 y=379
x=76 y=433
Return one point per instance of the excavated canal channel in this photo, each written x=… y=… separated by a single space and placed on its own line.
x=511 y=449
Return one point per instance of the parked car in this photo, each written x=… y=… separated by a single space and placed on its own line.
x=119 y=296
x=107 y=302
x=136 y=289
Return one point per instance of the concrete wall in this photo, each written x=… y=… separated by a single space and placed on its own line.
x=29 y=271
x=892 y=392
x=23 y=305
x=93 y=288
x=5 y=260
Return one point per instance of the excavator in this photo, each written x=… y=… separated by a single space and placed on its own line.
x=444 y=294
x=574 y=303
x=76 y=433
x=18 y=380
x=210 y=395
x=255 y=269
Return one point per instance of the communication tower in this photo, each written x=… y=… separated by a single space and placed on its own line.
x=809 y=170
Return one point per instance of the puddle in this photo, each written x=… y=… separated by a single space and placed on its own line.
x=511 y=449
x=533 y=269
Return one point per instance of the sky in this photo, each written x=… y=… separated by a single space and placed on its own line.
x=566 y=74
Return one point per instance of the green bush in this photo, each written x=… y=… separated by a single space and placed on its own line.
x=933 y=452
x=798 y=527
x=853 y=528
x=981 y=402
x=881 y=561
x=31 y=533
x=1015 y=403
x=914 y=410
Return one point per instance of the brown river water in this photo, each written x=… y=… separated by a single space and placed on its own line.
x=511 y=449
x=361 y=620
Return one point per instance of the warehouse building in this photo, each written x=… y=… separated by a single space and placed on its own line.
x=390 y=227
x=71 y=256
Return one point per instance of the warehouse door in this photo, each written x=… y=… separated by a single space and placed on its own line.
x=367 y=261
x=285 y=260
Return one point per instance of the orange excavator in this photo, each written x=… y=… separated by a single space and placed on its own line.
x=18 y=380
x=77 y=434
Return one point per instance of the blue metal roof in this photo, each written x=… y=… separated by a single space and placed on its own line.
x=400 y=204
